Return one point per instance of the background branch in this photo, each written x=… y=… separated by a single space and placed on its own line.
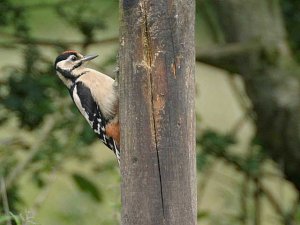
x=5 y=200
x=225 y=56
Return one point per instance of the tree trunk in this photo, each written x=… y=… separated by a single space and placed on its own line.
x=157 y=113
x=260 y=54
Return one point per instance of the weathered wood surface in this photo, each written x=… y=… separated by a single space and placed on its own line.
x=157 y=112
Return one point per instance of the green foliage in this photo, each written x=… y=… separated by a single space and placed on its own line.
x=31 y=93
x=14 y=198
x=290 y=9
x=218 y=145
x=201 y=215
x=5 y=12
x=15 y=16
x=4 y=219
x=28 y=98
x=16 y=219
x=84 y=17
x=29 y=89
x=88 y=186
x=214 y=142
x=202 y=160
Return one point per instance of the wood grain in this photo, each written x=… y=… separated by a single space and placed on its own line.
x=157 y=113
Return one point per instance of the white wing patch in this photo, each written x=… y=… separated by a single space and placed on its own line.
x=79 y=105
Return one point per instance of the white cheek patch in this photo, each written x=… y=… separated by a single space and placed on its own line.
x=64 y=65
x=61 y=65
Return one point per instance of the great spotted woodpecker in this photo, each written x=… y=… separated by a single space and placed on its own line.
x=95 y=95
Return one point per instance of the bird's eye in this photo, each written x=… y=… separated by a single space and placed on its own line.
x=73 y=58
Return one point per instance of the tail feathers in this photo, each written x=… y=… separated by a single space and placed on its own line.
x=112 y=144
x=117 y=152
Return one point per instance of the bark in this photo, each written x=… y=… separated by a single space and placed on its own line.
x=157 y=112
x=270 y=75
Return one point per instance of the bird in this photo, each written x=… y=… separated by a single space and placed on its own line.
x=94 y=93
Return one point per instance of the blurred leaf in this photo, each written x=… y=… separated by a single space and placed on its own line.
x=215 y=143
x=88 y=186
x=298 y=213
x=87 y=136
x=4 y=219
x=107 y=166
x=6 y=10
x=202 y=160
x=38 y=179
x=202 y=215
x=20 y=23
x=14 y=198
x=253 y=163
x=85 y=17
x=255 y=141
x=28 y=98
x=16 y=219
x=290 y=9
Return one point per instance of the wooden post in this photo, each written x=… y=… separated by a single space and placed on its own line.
x=157 y=112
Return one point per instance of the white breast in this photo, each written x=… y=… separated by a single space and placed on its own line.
x=103 y=91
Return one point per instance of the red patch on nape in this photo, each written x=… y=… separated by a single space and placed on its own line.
x=70 y=51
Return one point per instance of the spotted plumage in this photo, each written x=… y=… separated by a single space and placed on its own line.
x=94 y=94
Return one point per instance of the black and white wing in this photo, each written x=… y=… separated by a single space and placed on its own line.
x=84 y=101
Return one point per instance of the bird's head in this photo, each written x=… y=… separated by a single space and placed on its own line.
x=70 y=64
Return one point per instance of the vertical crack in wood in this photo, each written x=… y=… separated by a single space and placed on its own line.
x=149 y=63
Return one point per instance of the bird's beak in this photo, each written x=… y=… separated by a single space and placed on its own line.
x=88 y=58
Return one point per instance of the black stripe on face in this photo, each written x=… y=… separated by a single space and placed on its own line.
x=77 y=65
x=67 y=74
